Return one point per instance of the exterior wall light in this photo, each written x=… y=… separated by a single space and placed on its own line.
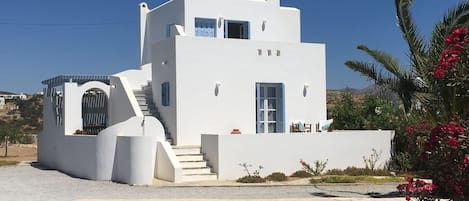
x=220 y=21
x=264 y=23
x=305 y=89
x=217 y=88
x=163 y=63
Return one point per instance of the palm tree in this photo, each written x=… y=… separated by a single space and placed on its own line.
x=416 y=84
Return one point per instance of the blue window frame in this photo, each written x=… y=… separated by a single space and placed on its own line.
x=205 y=27
x=236 y=29
x=165 y=94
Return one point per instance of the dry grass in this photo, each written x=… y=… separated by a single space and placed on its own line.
x=19 y=152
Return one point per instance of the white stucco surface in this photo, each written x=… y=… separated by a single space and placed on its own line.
x=133 y=159
x=282 y=152
x=168 y=166
x=73 y=94
x=137 y=78
x=123 y=104
x=195 y=65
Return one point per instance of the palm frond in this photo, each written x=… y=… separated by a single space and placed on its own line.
x=415 y=41
x=386 y=60
x=457 y=16
x=367 y=70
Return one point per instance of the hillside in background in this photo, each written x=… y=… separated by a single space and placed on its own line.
x=335 y=95
x=28 y=112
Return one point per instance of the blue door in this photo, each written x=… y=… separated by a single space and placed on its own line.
x=270 y=108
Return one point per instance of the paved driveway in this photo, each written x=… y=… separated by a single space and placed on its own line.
x=27 y=183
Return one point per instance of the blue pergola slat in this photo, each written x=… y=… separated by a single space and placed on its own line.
x=80 y=79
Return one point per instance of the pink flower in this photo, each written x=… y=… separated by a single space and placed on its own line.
x=439 y=73
x=459 y=130
x=430 y=187
x=466 y=159
x=407 y=197
x=409 y=179
x=453 y=142
x=409 y=130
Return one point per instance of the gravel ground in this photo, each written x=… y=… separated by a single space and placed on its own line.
x=29 y=183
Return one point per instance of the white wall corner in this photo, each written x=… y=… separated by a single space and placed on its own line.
x=177 y=30
x=143 y=10
x=167 y=166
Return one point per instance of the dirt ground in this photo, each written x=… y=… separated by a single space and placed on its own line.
x=19 y=152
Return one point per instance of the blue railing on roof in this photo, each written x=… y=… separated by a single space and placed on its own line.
x=80 y=79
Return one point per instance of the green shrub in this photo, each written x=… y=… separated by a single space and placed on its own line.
x=251 y=179
x=354 y=171
x=26 y=139
x=277 y=176
x=355 y=179
x=301 y=174
x=334 y=179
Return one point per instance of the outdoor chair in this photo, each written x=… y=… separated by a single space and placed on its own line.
x=300 y=127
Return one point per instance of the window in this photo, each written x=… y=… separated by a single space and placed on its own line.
x=165 y=94
x=236 y=29
x=205 y=27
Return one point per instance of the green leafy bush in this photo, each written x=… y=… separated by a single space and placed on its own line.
x=277 y=176
x=354 y=171
x=301 y=174
x=251 y=179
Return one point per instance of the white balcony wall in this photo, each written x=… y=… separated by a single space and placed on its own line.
x=282 y=153
x=281 y=24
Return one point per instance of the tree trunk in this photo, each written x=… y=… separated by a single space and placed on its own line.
x=6 y=147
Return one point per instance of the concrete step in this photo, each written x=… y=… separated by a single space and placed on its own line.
x=199 y=177
x=144 y=108
x=204 y=170
x=194 y=164
x=195 y=157
x=186 y=151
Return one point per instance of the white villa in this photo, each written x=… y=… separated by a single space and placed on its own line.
x=207 y=68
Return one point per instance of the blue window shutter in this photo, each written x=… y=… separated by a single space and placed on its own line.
x=247 y=30
x=165 y=94
x=258 y=107
x=281 y=120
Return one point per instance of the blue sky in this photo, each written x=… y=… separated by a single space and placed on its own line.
x=37 y=41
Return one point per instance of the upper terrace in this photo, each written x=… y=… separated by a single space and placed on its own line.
x=258 y=20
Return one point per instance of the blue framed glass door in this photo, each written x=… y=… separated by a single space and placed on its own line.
x=270 y=106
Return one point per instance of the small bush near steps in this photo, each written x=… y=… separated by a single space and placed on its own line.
x=251 y=179
x=277 y=176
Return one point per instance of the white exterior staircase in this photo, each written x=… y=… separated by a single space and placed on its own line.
x=145 y=101
x=194 y=167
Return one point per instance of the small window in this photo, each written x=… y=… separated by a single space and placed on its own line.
x=278 y=53
x=165 y=94
x=269 y=52
x=205 y=27
x=236 y=29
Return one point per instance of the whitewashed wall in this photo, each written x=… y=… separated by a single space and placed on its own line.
x=73 y=95
x=282 y=153
x=235 y=64
x=137 y=78
x=123 y=104
x=164 y=70
x=282 y=24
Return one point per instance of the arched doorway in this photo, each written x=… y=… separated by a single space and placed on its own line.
x=94 y=111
